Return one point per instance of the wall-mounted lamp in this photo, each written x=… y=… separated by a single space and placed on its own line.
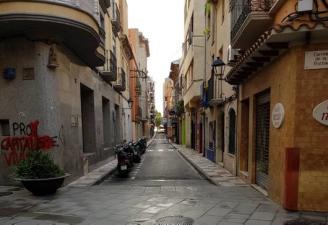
x=218 y=67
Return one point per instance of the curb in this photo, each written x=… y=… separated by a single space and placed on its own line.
x=200 y=170
x=151 y=140
x=98 y=175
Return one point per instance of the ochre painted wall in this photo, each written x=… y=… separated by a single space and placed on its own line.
x=279 y=77
x=311 y=137
x=299 y=91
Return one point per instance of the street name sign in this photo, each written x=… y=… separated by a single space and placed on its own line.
x=316 y=60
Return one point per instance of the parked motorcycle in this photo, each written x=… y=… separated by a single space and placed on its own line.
x=128 y=154
x=142 y=143
x=124 y=159
x=137 y=152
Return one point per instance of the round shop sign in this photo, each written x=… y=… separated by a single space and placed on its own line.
x=320 y=113
x=278 y=115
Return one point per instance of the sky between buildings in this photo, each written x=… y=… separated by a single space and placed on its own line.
x=162 y=23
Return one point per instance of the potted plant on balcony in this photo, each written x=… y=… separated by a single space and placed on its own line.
x=39 y=174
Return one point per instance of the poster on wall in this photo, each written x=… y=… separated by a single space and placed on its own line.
x=320 y=113
x=278 y=115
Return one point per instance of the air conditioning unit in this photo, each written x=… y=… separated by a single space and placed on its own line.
x=304 y=5
x=232 y=54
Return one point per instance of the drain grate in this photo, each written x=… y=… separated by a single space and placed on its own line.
x=5 y=193
x=304 y=222
x=174 y=220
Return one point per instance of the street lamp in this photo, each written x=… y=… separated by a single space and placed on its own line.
x=218 y=67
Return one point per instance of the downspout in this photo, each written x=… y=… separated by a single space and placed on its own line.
x=205 y=71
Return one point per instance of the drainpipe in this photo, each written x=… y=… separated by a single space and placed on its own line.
x=205 y=71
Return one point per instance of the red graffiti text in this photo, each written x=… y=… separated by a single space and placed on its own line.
x=16 y=149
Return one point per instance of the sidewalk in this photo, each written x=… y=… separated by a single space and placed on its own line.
x=213 y=172
x=98 y=174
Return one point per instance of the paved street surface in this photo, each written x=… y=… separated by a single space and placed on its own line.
x=163 y=185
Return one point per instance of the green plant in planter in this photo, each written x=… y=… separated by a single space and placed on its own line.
x=38 y=165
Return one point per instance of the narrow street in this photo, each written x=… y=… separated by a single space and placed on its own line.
x=161 y=164
x=162 y=189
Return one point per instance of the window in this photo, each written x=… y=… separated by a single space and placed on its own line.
x=232 y=131
x=4 y=128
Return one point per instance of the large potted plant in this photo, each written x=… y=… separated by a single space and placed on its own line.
x=39 y=174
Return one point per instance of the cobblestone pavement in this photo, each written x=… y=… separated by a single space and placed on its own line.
x=215 y=173
x=143 y=201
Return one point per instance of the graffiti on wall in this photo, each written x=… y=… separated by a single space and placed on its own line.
x=25 y=139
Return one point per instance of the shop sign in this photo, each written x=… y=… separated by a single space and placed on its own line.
x=320 y=113
x=316 y=60
x=278 y=115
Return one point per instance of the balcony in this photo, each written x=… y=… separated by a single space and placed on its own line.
x=116 y=20
x=126 y=46
x=249 y=19
x=192 y=96
x=109 y=72
x=120 y=86
x=74 y=23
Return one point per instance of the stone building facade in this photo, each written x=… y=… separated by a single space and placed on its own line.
x=65 y=81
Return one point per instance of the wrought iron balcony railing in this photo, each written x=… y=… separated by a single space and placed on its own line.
x=240 y=9
x=109 y=72
x=116 y=20
x=121 y=84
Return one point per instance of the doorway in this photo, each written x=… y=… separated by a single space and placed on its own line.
x=262 y=139
x=88 y=119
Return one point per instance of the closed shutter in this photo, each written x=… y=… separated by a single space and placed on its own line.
x=262 y=138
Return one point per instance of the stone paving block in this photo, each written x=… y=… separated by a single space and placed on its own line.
x=217 y=211
x=262 y=216
x=228 y=223
x=208 y=220
x=245 y=208
x=257 y=222
x=153 y=210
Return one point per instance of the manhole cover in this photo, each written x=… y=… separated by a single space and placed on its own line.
x=304 y=222
x=174 y=220
x=5 y=193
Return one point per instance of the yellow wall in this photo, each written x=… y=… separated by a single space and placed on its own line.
x=311 y=136
x=299 y=91
x=280 y=78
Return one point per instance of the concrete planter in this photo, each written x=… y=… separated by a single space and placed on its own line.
x=43 y=186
